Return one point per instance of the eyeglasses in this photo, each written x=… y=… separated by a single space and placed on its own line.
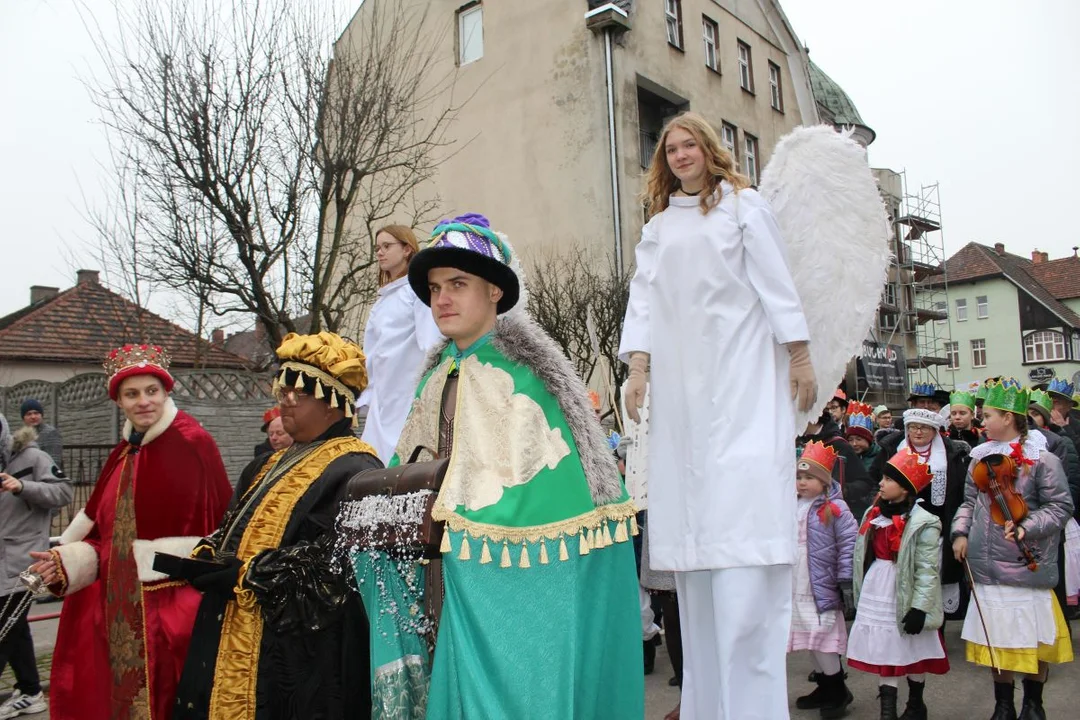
x=289 y=396
x=832 y=406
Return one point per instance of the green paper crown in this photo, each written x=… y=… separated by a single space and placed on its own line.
x=1008 y=396
x=980 y=394
x=963 y=398
x=1042 y=399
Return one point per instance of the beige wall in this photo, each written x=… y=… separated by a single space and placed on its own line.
x=13 y=373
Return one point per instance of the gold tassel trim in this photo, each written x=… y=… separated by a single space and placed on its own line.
x=607 y=535
x=524 y=561
x=563 y=554
x=319 y=376
x=333 y=400
x=299 y=384
x=348 y=410
x=445 y=546
x=485 y=554
x=634 y=532
x=466 y=552
x=621 y=534
x=319 y=393
x=583 y=544
x=543 y=552
x=504 y=561
x=534 y=534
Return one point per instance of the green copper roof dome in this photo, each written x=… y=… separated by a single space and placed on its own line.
x=837 y=108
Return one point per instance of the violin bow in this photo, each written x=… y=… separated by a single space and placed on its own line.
x=982 y=620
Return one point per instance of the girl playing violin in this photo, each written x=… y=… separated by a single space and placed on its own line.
x=1015 y=505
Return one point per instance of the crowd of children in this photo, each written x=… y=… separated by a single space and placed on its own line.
x=973 y=520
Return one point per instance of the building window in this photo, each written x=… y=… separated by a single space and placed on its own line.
x=982 y=307
x=728 y=133
x=889 y=296
x=978 y=353
x=746 y=68
x=943 y=308
x=952 y=353
x=673 y=16
x=710 y=33
x=888 y=321
x=961 y=310
x=776 y=90
x=470 y=34
x=653 y=112
x=1044 y=345
x=750 y=158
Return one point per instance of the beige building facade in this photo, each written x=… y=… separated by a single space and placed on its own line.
x=533 y=143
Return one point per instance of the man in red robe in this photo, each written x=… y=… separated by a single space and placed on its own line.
x=124 y=629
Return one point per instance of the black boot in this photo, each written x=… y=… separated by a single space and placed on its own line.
x=837 y=697
x=649 y=651
x=916 y=708
x=1032 y=709
x=815 y=699
x=1004 y=707
x=887 y=696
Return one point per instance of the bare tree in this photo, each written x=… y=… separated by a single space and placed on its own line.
x=263 y=157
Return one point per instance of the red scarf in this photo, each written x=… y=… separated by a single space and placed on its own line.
x=894 y=534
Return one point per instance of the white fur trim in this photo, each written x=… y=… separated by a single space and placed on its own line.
x=145 y=549
x=157 y=428
x=79 y=527
x=80 y=560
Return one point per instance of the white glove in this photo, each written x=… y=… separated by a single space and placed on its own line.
x=634 y=390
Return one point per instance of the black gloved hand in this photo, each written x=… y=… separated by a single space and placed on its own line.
x=914 y=621
x=223 y=581
x=847 y=597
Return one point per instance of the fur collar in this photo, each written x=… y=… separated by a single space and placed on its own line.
x=24 y=437
x=522 y=341
x=157 y=428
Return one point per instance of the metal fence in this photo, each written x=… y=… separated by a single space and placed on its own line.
x=82 y=465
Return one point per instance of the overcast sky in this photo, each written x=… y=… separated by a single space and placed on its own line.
x=978 y=95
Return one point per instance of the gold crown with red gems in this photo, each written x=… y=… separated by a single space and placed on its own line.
x=129 y=356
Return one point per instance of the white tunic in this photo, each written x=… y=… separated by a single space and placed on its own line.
x=713 y=305
x=400 y=331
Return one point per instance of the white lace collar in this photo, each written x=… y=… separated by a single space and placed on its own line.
x=1034 y=447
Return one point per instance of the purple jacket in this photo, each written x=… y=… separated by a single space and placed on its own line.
x=829 y=549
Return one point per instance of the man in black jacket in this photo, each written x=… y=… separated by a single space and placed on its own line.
x=849 y=471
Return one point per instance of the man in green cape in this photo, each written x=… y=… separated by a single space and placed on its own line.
x=539 y=617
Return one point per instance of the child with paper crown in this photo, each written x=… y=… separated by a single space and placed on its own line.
x=1016 y=624
x=822 y=590
x=859 y=432
x=898 y=590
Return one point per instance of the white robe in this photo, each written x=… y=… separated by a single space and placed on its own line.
x=713 y=306
x=400 y=331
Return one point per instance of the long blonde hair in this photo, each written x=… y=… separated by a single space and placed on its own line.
x=406 y=237
x=719 y=164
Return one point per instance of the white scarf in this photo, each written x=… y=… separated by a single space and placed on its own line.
x=939 y=466
x=1034 y=447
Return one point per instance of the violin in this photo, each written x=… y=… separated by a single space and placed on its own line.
x=996 y=475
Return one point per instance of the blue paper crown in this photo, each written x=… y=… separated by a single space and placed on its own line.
x=863 y=421
x=924 y=390
x=1061 y=387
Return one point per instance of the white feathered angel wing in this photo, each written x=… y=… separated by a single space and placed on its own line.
x=836 y=230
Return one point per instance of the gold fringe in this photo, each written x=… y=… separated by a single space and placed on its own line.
x=445 y=546
x=591 y=537
x=534 y=534
x=319 y=375
x=485 y=554
x=319 y=394
x=504 y=561
x=543 y=552
x=348 y=410
x=299 y=384
x=466 y=551
x=607 y=535
x=524 y=561
x=583 y=544
x=633 y=526
x=333 y=400
x=621 y=534
x=563 y=554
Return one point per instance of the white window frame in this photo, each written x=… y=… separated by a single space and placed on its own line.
x=952 y=352
x=710 y=32
x=888 y=295
x=943 y=307
x=464 y=43
x=673 y=21
x=982 y=307
x=746 y=67
x=776 y=93
x=961 y=310
x=1044 y=346
x=729 y=137
x=978 y=346
x=889 y=321
x=750 y=157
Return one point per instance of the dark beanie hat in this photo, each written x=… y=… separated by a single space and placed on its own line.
x=29 y=405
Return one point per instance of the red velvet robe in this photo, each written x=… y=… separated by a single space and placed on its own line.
x=181 y=491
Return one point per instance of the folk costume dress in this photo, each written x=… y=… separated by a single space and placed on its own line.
x=125 y=628
x=286 y=640
x=712 y=301
x=397 y=338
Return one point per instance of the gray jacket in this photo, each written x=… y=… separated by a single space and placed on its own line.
x=49 y=440
x=25 y=518
x=996 y=561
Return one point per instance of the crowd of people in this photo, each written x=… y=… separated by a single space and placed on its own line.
x=472 y=554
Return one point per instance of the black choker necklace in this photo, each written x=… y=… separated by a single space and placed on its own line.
x=687 y=192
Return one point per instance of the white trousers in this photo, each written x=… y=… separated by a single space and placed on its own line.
x=735 y=626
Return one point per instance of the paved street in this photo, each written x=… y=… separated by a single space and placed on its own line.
x=964 y=694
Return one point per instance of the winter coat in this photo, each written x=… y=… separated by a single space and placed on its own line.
x=25 y=517
x=49 y=440
x=972 y=437
x=957 y=457
x=917 y=582
x=849 y=470
x=996 y=561
x=828 y=550
x=870 y=456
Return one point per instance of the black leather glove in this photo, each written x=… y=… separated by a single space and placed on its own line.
x=223 y=582
x=847 y=597
x=914 y=621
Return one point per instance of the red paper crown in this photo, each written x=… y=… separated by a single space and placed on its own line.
x=817 y=458
x=859 y=408
x=910 y=470
x=269 y=416
x=131 y=360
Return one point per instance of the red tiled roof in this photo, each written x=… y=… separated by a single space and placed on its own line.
x=971 y=262
x=83 y=323
x=1061 y=277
